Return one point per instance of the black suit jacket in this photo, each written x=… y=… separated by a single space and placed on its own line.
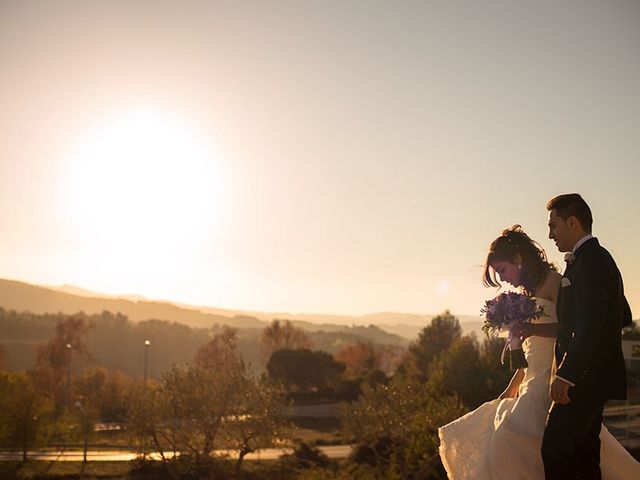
x=592 y=310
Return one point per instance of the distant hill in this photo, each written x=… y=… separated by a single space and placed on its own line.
x=469 y=325
x=71 y=299
x=82 y=292
x=21 y=296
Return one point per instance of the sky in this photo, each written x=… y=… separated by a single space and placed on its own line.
x=339 y=157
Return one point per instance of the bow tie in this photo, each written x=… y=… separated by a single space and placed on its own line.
x=569 y=258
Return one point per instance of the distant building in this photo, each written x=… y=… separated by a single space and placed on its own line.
x=631 y=352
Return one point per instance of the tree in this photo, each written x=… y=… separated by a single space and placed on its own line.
x=304 y=369
x=395 y=428
x=54 y=359
x=104 y=392
x=280 y=336
x=220 y=349
x=471 y=370
x=632 y=332
x=4 y=359
x=498 y=375
x=461 y=370
x=148 y=426
x=24 y=412
x=256 y=421
x=359 y=358
x=432 y=341
x=69 y=340
x=208 y=404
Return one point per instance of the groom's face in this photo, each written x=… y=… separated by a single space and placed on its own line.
x=559 y=232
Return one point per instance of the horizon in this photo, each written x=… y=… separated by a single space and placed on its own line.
x=132 y=297
x=340 y=158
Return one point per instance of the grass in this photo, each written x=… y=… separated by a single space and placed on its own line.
x=313 y=431
x=318 y=431
x=39 y=470
x=58 y=470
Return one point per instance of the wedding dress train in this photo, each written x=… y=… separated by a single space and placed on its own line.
x=501 y=439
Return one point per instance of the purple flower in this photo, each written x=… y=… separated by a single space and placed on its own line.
x=509 y=308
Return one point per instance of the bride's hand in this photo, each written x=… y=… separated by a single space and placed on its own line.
x=524 y=330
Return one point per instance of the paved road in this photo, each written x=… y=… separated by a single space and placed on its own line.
x=334 y=451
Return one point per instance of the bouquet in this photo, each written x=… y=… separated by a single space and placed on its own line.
x=506 y=311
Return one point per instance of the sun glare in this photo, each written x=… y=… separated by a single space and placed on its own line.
x=443 y=287
x=142 y=189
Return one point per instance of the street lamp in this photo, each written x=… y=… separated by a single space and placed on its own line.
x=146 y=360
x=85 y=430
x=68 y=375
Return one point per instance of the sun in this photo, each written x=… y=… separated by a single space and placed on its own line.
x=142 y=191
x=443 y=288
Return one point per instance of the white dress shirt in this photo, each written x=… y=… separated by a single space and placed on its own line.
x=588 y=236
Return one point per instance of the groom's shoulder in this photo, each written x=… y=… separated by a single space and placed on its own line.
x=598 y=250
x=593 y=249
x=596 y=256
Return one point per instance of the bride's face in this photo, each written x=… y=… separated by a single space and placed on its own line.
x=508 y=271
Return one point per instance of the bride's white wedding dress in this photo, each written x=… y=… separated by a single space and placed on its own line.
x=501 y=439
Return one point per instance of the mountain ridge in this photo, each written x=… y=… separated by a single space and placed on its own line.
x=70 y=299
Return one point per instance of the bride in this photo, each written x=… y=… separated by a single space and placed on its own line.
x=502 y=438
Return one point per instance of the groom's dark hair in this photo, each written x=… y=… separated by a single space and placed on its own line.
x=572 y=205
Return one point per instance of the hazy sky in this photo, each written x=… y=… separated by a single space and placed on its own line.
x=342 y=157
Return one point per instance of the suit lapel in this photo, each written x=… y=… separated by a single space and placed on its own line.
x=562 y=312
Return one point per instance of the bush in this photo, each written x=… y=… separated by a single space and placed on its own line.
x=305 y=456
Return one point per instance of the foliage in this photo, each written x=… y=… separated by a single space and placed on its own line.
x=255 y=422
x=104 y=391
x=632 y=332
x=219 y=350
x=4 y=359
x=25 y=415
x=147 y=428
x=282 y=336
x=395 y=428
x=305 y=457
x=470 y=370
x=304 y=369
x=359 y=358
x=210 y=404
x=497 y=375
x=432 y=341
x=117 y=343
x=55 y=358
x=460 y=370
x=210 y=400
x=69 y=340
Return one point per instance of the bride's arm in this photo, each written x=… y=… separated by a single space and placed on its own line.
x=514 y=385
x=547 y=330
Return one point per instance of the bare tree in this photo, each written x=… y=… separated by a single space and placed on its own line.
x=55 y=359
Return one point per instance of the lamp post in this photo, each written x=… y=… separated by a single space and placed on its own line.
x=85 y=430
x=147 y=343
x=68 y=376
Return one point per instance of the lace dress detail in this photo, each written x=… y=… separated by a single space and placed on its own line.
x=501 y=439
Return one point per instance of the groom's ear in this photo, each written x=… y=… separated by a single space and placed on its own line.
x=573 y=223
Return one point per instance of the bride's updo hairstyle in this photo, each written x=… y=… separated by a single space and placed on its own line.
x=506 y=248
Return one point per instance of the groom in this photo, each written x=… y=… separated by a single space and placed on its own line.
x=592 y=310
